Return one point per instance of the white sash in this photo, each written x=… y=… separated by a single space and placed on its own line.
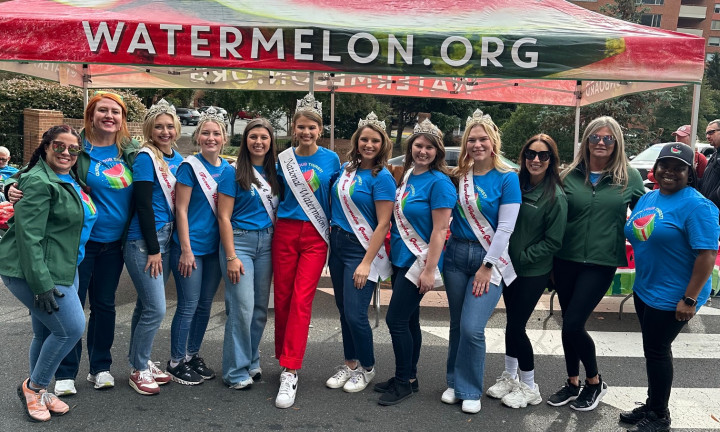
x=165 y=178
x=381 y=264
x=484 y=233
x=270 y=202
x=303 y=194
x=205 y=180
x=412 y=239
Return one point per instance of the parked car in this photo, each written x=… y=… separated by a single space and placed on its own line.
x=218 y=109
x=645 y=160
x=188 y=116
x=451 y=158
x=246 y=115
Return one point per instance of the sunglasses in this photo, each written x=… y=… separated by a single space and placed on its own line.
x=711 y=132
x=530 y=155
x=59 y=147
x=595 y=139
x=2 y=159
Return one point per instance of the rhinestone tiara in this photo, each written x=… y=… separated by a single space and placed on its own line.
x=162 y=107
x=428 y=128
x=212 y=114
x=372 y=119
x=477 y=118
x=308 y=103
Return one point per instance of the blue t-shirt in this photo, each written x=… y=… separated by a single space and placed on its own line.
x=144 y=170
x=110 y=181
x=364 y=191
x=425 y=192
x=666 y=231
x=248 y=212
x=6 y=172
x=318 y=170
x=204 y=232
x=492 y=190
x=89 y=210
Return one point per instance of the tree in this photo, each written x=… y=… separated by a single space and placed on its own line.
x=626 y=10
x=712 y=72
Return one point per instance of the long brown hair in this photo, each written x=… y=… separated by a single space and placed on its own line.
x=552 y=175
x=438 y=164
x=244 y=173
x=380 y=160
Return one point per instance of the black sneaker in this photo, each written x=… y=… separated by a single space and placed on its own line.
x=652 y=423
x=590 y=396
x=183 y=374
x=198 y=365
x=568 y=392
x=398 y=393
x=637 y=414
x=388 y=385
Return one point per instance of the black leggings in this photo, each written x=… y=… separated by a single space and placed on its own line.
x=659 y=330
x=520 y=298
x=580 y=287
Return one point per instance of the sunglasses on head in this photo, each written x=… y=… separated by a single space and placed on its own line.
x=59 y=147
x=595 y=139
x=530 y=155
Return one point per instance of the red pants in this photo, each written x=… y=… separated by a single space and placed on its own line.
x=298 y=257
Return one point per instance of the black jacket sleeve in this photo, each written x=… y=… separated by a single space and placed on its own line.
x=143 y=192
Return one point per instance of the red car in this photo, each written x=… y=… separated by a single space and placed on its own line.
x=246 y=115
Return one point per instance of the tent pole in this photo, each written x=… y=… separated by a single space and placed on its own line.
x=85 y=81
x=695 y=114
x=332 y=118
x=578 y=98
x=311 y=88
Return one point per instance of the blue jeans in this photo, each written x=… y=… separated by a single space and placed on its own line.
x=150 y=306
x=346 y=253
x=246 y=303
x=99 y=275
x=468 y=317
x=194 y=301
x=403 y=321
x=55 y=334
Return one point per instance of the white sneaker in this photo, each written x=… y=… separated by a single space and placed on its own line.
x=503 y=386
x=522 y=395
x=288 y=387
x=242 y=384
x=343 y=374
x=102 y=380
x=65 y=387
x=359 y=380
x=448 y=396
x=471 y=406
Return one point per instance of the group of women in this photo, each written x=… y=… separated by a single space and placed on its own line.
x=511 y=233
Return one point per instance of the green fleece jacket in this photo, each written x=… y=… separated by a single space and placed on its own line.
x=596 y=217
x=539 y=231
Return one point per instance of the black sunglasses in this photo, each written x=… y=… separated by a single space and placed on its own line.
x=544 y=156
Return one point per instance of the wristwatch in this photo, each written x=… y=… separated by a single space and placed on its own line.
x=488 y=264
x=689 y=301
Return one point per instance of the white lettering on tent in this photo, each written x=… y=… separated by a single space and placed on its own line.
x=404 y=87
x=487 y=54
x=229 y=47
x=326 y=56
x=446 y=45
x=103 y=33
x=385 y=82
x=171 y=29
x=236 y=76
x=275 y=40
x=196 y=42
x=531 y=56
x=146 y=44
x=405 y=52
x=361 y=79
x=351 y=47
x=440 y=84
x=300 y=45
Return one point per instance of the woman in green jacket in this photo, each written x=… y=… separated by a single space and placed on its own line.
x=600 y=186
x=538 y=235
x=39 y=256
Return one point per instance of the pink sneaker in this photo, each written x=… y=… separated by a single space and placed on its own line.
x=33 y=403
x=54 y=404
x=161 y=377
x=143 y=382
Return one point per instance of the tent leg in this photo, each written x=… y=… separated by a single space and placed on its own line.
x=578 y=98
x=311 y=83
x=332 y=119
x=86 y=82
x=695 y=115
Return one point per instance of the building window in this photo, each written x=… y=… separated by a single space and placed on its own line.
x=650 y=2
x=714 y=41
x=715 y=25
x=717 y=7
x=653 y=20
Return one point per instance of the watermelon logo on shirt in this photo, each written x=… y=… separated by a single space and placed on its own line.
x=88 y=202
x=644 y=226
x=312 y=179
x=118 y=177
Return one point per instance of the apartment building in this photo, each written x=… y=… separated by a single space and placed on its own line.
x=698 y=17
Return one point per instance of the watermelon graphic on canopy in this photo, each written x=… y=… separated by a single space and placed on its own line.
x=118 y=176
x=643 y=227
x=312 y=179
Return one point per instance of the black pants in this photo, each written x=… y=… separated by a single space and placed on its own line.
x=580 y=287
x=403 y=321
x=520 y=298
x=659 y=330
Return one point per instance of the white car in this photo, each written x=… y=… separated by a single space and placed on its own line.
x=645 y=160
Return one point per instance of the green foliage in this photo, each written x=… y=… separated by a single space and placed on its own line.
x=231 y=150
x=626 y=10
x=712 y=72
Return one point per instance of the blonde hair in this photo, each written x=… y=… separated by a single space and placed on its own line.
x=354 y=157
x=465 y=163
x=148 y=126
x=122 y=137
x=198 y=129
x=616 y=166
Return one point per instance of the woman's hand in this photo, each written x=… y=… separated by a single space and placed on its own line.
x=14 y=194
x=481 y=283
x=46 y=301
x=684 y=312
x=187 y=264
x=154 y=264
x=361 y=274
x=427 y=281
x=235 y=268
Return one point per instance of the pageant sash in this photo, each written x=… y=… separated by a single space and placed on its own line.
x=269 y=201
x=205 y=180
x=165 y=178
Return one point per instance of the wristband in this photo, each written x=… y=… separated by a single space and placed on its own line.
x=230 y=258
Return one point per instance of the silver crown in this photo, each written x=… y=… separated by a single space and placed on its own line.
x=477 y=118
x=212 y=114
x=308 y=103
x=162 y=107
x=373 y=120
x=427 y=127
